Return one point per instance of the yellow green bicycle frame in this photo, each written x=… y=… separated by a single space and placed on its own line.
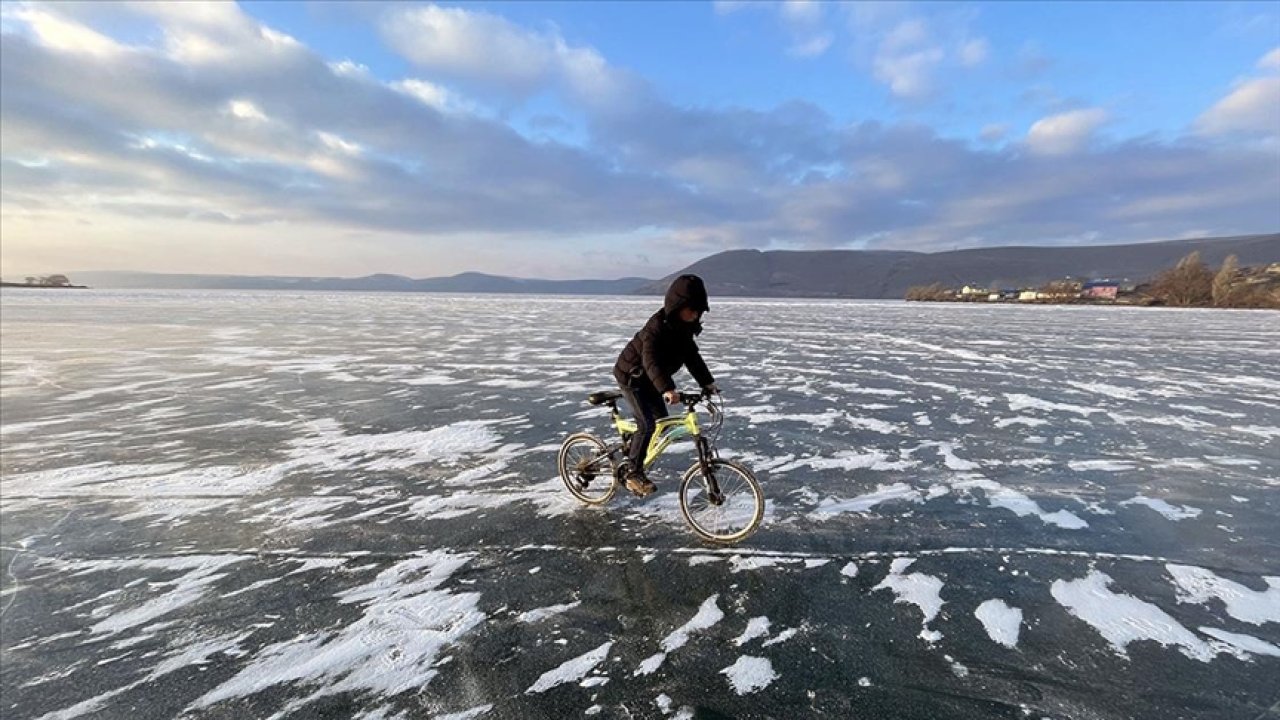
x=666 y=431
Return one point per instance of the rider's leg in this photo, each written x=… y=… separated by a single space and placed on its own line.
x=647 y=407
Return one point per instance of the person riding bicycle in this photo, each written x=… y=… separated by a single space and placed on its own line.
x=644 y=369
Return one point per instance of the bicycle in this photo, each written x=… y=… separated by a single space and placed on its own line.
x=720 y=499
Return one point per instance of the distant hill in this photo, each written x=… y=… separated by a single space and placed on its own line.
x=888 y=274
x=463 y=283
x=755 y=273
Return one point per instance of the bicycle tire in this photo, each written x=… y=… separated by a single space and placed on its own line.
x=693 y=485
x=571 y=470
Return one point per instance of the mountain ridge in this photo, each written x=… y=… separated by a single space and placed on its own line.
x=870 y=274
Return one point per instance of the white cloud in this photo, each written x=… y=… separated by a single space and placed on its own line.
x=66 y=35
x=994 y=132
x=350 y=68
x=491 y=54
x=909 y=74
x=812 y=47
x=336 y=143
x=728 y=7
x=246 y=110
x=801 y=12
x=474 y=46
x=1270 y=61
x=974 y=52
x=303 y=153
x=1253 y=107
x=1066 y=132
x=913 y=52
x=428 y=94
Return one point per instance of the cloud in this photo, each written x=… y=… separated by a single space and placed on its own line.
x=1270 y=61
x=911 y=52
x=1066 y=132
x=974 y=52
x=1253 y=107
x=322 y=167
x=65 y=35
x=994 y=132
x=812 y=47
x=801 y=12
x=488 y=52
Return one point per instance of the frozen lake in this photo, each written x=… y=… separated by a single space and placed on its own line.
x=243 y=505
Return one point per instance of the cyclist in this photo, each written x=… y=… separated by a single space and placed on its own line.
x=645 y=367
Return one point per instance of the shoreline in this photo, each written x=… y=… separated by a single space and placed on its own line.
x=44 y=287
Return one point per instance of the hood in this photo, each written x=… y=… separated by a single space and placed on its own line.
x=686 y=291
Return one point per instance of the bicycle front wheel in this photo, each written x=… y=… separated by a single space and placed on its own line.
x=586 y=468
x=723 y=506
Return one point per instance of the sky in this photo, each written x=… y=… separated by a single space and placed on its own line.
x=604 y=140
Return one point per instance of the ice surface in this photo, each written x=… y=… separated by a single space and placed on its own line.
x=292 y=504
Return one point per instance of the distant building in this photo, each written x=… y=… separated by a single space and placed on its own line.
x=1028 y=295
x=1100 y=289
x=973 y=290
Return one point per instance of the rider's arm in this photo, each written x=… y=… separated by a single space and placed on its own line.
x=697 y=366
x=649 y=357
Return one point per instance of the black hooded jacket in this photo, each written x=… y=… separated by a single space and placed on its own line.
x=666 y=342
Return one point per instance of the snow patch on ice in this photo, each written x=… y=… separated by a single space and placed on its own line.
x=1172 y=512
x=1246 y=644
x=1021 y=505
x=750 y=674
x=471 y=714
x=756 y=627
x=831 y=507
x=849 y=460
x=407 y=621
x=1198 y=586
x=571 y=670
x=1123 y=619
x=709 y=613
x=542 y=613
x=1104 y=465
x=923 y=591
x=1019 y=401
x=1028 y=421
x=1001 y=621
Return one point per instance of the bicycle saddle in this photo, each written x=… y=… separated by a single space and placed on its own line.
x=600 y=398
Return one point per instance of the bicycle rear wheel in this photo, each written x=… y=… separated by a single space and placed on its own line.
x=729 y=515
x=586 y=468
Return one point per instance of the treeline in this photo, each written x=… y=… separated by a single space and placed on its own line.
x=1189 y=283
x=1192 y=283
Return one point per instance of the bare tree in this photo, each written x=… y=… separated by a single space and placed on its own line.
x=936 y=291
x=1222 y=281
x=1060 y=289
x=1190 y=282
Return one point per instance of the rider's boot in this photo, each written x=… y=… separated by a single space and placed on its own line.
x=638 y=484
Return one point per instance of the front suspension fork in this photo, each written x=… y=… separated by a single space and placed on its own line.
x=705 y=455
